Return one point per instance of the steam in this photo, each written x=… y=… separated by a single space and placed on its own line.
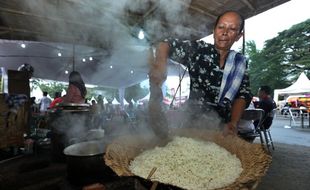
x=109 y=24
x=109 y=20
x=112 y=26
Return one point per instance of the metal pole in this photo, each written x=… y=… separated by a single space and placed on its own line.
x=180 y=92
x=302 y=118
x=173 y=98
x=73 y=58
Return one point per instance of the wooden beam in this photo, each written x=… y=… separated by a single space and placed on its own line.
x=9 y=29
x=199 y=10
x=12 y=11
x=249 y=4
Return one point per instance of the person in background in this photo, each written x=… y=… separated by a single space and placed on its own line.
x=101 y=112
x=93 y=105
x=267 y=104
x=100 y=104
x=57 y=99
x=33 y=106
x=44 y=102
x=76 y=91
x=218 y=76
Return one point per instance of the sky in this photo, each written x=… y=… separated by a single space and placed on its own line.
x=268 y=24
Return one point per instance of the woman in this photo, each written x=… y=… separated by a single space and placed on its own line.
x=76 y=91
x=218 y=75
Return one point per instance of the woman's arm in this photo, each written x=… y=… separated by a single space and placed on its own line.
x=237 y=109
x=158 y=73
x=158 y=64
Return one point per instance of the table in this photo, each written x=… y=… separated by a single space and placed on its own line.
x=302 y=113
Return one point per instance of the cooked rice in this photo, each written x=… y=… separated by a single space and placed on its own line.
x=189 y=164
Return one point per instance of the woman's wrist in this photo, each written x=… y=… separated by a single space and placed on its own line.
x=232 y=125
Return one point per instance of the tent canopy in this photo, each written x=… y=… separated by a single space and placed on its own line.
x=301 y=86
x=99 y=38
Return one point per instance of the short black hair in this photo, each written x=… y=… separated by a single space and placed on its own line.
x=265 y=89
x=45 y=93
x=57 y=94
x=230 y=11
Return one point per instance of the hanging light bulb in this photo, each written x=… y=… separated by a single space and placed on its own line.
x=141 y=35
x=83 y=59
x=23 y=45
x=59 y=54
x=90 y=58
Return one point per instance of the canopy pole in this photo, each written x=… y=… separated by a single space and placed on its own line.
x=121 y=94
x=73 y=57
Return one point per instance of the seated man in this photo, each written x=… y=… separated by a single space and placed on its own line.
x=267 y=104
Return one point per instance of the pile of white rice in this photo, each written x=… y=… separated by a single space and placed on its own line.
x=189 y=164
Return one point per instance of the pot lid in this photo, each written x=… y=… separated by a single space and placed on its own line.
x=89 y=148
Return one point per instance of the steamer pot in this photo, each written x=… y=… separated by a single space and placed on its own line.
x=85 y=163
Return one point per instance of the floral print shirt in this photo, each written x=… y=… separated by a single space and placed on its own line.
x=202 y=61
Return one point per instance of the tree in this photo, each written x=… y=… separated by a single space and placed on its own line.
x=50 y=87
x=289 y=52
x=255 y=65
x=282 y=59
x=135 y=92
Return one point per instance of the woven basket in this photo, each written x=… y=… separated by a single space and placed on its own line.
x=254 y=158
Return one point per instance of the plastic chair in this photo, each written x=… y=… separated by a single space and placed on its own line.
x=266 y=130
x=252 y=115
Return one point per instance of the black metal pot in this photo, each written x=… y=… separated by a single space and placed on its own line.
x=85 y=163
x=67 y=121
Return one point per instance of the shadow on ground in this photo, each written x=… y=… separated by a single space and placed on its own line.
x=289 y=169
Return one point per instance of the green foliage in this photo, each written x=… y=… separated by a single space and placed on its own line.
x=50 y=87
x=282 y=59
x=108 y=93
x=135 y=92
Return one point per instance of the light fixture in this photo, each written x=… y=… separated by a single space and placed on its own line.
x=131 y=71
x=59 y=54
x=141 y=35
x=83 y=59
x=23 y=45
x=66 y=71
x=90 y=58
x=111 y=66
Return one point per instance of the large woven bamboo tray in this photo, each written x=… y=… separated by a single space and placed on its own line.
x=254 y=158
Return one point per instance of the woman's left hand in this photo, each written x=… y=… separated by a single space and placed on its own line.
x=230 y=129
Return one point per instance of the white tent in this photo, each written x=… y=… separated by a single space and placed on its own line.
x=36 y=92
x=145 y=98
x=93 y=98
x=63 y=92
x=105 y=101
x=132 y=101
x=301 y=86
x=125 y=102
x=115 y=102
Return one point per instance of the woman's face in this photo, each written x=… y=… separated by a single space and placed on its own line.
x=226 y=32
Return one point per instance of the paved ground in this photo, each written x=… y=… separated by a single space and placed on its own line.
x=285 y=131
x=290 y=165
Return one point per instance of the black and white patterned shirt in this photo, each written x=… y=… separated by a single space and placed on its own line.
x=202 y=61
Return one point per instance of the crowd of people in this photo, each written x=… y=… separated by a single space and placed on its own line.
x=99 y=112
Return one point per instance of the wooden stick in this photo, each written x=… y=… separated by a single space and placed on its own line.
x=154 y=185
x=151 y=173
